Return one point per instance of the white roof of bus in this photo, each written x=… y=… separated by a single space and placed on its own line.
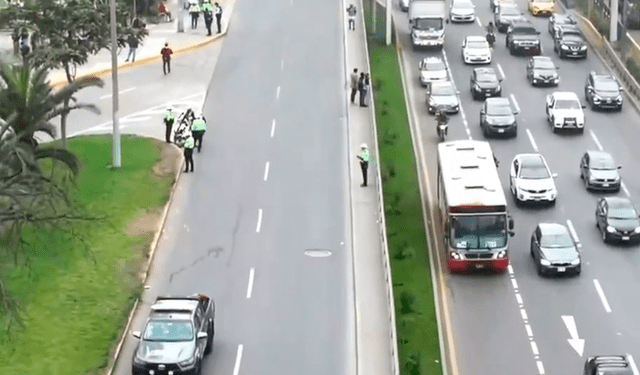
x=470 y=174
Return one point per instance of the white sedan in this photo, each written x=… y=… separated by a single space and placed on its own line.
x=531 y=180
x=476 y=50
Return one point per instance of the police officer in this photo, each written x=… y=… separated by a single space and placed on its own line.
x=364 y=162
x=194 y=11
x=198 y=127
x=218 y=12
x=207 y=9
x=169 y=118
x=189 y=143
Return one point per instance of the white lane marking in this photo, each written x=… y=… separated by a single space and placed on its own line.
x=514 y=283
x=282 y=64
x=624 y=187
x=523 y=312
x=603 y=298
x=119 y=92
x=595 y=139
x=131 y=119
x=540 y=367
x=519 y=299
x=478 y=22
x=634 y=368
x=278 y=93
x=515 y=102
x=273 y=127
x=252 y=274
x=266 y=171
x=236 y=367
x=575 y=341
x=529 y=331
x=510 y=268
x=533 y=142
x=573 y=233
x=259 y=221
x=501 y=71
x=534 y=348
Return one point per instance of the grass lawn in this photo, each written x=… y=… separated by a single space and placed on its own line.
x=75 y=301
x=418 y=344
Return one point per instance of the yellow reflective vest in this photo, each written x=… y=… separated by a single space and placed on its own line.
x=198 y=124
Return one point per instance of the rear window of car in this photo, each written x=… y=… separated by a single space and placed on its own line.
x=433 y=65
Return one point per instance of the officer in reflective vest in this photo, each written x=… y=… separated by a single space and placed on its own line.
x=189 y=143
x=198 y=127
x=207 y=10
x=169 y=118
x=194 y=11
x=364 y=162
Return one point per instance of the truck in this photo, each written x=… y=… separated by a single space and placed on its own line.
x=427 y=19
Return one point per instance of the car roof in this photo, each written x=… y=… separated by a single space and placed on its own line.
x=619 y=202
x=432 y=59
x=441 y=84
x=522 y=23
x=550 y=229
x=498 y=102
x=603 y=77
x=175 y=305
x=476 y=38
x=565 y=95
x=531 y=159
x=600 y=155
x=462 y=2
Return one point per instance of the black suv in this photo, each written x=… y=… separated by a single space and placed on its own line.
x=484 y=83
x=607 y=364
x=603 y=91
x=568 y=42
x=522 y=37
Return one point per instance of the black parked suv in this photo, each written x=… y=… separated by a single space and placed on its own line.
x=607 y=364
x=570 y=43
x=603 y=91
x=522 y=37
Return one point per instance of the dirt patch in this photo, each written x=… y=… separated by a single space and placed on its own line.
x=145 y=223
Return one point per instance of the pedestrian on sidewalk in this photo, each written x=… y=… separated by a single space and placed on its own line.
x=194 y=11
x=166 y=53
x=169 y=118
x=364 y=162
x=133 y=45
x=353 y=79
x=207 y=10
x=189 y=144
x=366 y=86
x=351 y=12
x=198 y=127
x=163 y=12
x=218 y=13
x=362 y=89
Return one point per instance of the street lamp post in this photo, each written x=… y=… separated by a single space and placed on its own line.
x=388 y=39
x=613 y=26
x=117 y=157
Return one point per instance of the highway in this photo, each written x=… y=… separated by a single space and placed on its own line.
x=513 y=323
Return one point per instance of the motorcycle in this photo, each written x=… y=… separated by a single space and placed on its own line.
x=491 y=39
x=183 y=129
x=443 y=129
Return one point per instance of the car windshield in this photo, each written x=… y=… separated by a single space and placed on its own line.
x=478 y=44
x=534 y=172
x=428 y=24
x=479 y=232
x=622 y=213
x=607 y=86
x=602 y=164
x=565 y=21
x=168 y=330
x=567 y=104
x=544 y=1
x=433 y=65
x=443 y=91
x=487 y=77
x=499 y=110
x=556 y=241
x=544 y=65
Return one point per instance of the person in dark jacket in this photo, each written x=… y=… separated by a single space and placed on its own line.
x=133 y=46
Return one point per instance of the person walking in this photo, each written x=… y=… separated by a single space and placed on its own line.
x=366 y=86
x=194 y=11
x=364 y=162
x=166 y=53
x=362 y=89
x=353 y=79
x=207 y=10
x=218 y=12
x=189 y=144
x=169 y=118
x=351 y=12
x=198 y=127
x=133 y=46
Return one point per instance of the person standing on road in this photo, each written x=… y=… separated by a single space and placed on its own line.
x=351 y=12
x=189 y=143
x=169 y=118
x=364 y=162
x=207 y=10
x=166 y=53
x=353 y=82
x=218 y=13
x=133 y=45
x=194 y=11
x=198 y=127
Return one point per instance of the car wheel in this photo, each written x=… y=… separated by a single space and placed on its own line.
x=555 y=49
x=605 y=236
x=586 y=182
x=593 y=106
x=619 y=109
x=515 y=132
x=581 y=130
x=209 y=347
x=531 y=252
x=511 y=51
x=553 y=202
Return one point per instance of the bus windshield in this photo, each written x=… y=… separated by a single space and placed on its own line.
x=479 y=232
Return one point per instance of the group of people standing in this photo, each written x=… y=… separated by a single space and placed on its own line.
x=360 y=84
x=209 y=11
x=193 y=137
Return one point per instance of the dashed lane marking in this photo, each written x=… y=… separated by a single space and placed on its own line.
x=533 y=141
x=236 y=367
x=574 y=233
x=266 y=171
x=259 y=221
x=603 y=298
x=595 y=139
x=252 y=273
x=273 y=127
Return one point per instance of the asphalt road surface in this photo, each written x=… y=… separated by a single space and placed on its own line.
x=269 y=184
x=513 y=323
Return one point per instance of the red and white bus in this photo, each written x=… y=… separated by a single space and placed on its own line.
x=472 y=206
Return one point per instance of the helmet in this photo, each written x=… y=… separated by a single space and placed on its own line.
x=364 y=146
x=490 y=23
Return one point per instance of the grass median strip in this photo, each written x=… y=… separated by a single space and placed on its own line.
x=416 y=323
x=76 y=297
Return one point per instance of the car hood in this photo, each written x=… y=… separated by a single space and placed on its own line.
x=434 y=74
x=477 y=51
x=624 y=224
x=604 y=174
x=500 y=120
x=573 y=42
x=165 y=352
x=545 y=72
x=567 y=254
x=445 y=100
x=462 y=11
x=563 y=113
x=607 y=94
x=537 y=184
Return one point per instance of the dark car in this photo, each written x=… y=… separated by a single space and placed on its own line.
x=554 y=250
x=542 y=71
x=177 y=334
x=570 y=43
x=484 y=83
x=607 y=365
x=603 y=91
x=599 y=171
x=560 y=19
x=498 y=118
x=617 y=219
x=522 y=37
x=505 y=15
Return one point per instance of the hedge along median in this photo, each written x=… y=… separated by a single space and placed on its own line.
x=76 y=297
x=416 y=323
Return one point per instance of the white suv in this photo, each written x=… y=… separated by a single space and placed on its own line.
x=564 y=111
x=531 y=180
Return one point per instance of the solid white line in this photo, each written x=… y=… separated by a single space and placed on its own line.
x=266 y=171
x=533 y=142
x=523 y=312
x=478 y=22
x=252 y=273
x=501 y=71
x=602 y=296
x=595 y=139
x=573 y=233
x=519 y=299
x=624 y=187
x=273 y=127
x=634 y=368
x=515 y=283
x=515 y=102
x=529 y=331
x=259 y=221
x=236 y=367
x=277 y=92
x=540 y=367
x=119 y=92
x=510 y=268
x=534 y=348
